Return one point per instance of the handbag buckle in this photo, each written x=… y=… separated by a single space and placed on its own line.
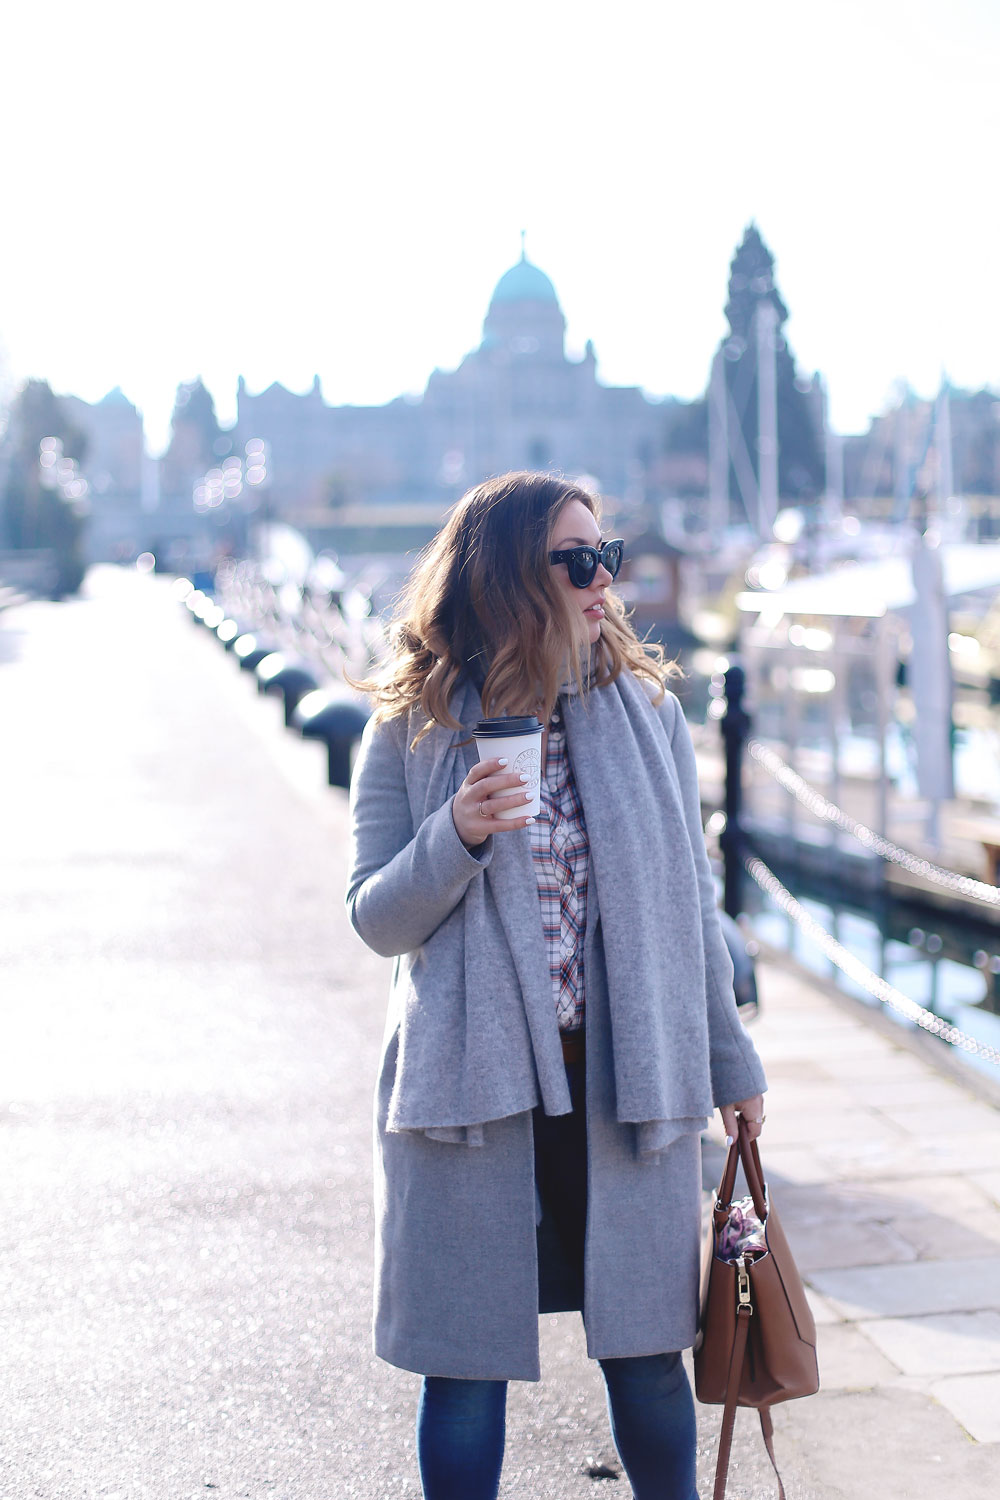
x=743 y=1288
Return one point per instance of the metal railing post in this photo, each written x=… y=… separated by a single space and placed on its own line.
x=735 y=730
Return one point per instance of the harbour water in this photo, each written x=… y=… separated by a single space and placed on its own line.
x=951 y=968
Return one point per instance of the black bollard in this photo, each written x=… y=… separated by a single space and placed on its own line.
x=338 y=718
x=735 y=729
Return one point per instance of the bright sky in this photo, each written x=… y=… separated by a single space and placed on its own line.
x=278 y=189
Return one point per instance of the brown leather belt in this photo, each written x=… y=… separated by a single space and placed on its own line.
x=574 y=1045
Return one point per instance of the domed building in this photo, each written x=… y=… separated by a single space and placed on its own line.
x=524 y=314
x=517 y=401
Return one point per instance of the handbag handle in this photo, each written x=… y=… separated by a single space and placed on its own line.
x=745 y=1150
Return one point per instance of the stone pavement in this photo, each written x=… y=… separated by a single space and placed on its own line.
x=886 y=1173
x=191 y=1032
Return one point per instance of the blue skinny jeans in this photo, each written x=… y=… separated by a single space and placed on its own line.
x=461 y=1427
x=461 y=1423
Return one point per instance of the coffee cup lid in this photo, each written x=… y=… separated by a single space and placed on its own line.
x=491 y=729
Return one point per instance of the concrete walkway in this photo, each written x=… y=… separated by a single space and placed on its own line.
x=191 y=1037
x=886 y=1174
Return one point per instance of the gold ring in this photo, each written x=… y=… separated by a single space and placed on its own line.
x=481 y=813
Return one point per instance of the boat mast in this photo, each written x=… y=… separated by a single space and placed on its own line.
x=766 y=321
x=718 y=448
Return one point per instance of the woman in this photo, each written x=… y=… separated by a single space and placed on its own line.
x=561 y=1019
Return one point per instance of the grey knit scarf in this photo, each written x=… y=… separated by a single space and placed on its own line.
x=644 y=880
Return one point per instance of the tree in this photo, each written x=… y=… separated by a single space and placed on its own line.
x=37 y=511
x=800 y=459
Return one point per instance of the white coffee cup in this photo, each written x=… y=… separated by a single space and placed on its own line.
x=519 y=742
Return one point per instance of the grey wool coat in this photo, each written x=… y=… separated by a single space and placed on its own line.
x=457 y=1265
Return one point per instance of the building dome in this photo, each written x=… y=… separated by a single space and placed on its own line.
x=524 y=283
x=524 y=319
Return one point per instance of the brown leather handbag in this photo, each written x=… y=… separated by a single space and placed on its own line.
x=756 y=1341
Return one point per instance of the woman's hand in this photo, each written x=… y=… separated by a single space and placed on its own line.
x=487 y=790
x=752 y=1111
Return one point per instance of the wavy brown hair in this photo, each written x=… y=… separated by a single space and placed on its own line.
x=482 y=602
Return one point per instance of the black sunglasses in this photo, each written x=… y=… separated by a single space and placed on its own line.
x=582 y=563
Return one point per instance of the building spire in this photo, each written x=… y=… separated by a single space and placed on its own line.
x=523 y=234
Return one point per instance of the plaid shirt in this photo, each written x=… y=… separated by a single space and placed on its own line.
x=560 y=853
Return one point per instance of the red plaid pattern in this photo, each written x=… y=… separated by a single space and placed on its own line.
x=560 y=852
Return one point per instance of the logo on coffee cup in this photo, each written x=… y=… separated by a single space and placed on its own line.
x=529 y=762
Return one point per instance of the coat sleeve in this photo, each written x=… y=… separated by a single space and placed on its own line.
x=736 y=1069
x=403 y=882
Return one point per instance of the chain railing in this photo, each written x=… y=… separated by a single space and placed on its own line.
x=822 y=808
x=873 y=984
